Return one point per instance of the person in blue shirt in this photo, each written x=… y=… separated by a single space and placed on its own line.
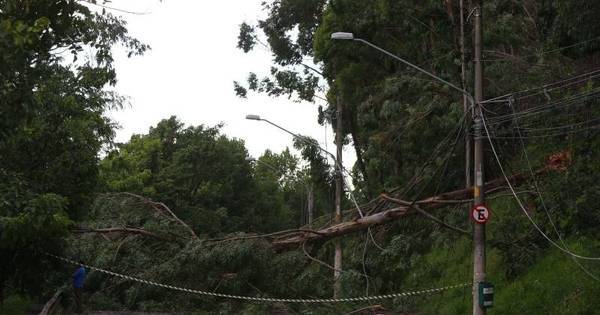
x=78 y=281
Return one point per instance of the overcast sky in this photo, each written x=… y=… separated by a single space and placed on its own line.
x=189 y=72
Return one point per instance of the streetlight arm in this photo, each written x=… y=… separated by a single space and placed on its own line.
x=417 y=68
x=301 y=138
x=340 y=168
x=281 y=128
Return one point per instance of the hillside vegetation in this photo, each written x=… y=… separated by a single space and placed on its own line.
x=187 y=206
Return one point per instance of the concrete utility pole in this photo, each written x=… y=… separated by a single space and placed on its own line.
x=337 y=261
x=479 y=229
x=478 y=197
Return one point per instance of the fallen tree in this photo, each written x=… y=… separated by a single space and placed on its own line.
x=381 y=210
x=389 y=208
x=461 y=196
x=120 y=231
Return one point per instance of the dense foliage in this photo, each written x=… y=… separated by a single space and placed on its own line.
x=397 y=119
x=52 y=124
x=209 y=180
x=187 y=206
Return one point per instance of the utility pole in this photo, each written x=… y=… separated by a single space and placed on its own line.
x=337 y=261
x=466 y=107
x=311 y=203
x=478 y=193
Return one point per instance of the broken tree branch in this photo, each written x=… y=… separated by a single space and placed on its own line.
x=462 y=195
x=125 y=230
x=425 y=213
x=255 y=236
x=50 y=306
x=163 y=208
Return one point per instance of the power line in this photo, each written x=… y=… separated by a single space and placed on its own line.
x=510 y=186
x=576 y=99
x=539 y=193
x=547 y=87
x=545 y=52
x=380 y=204
x=435 y=154
x=595 y=127
x=542 y=129
x=114 y=9
x=579 y=99
x=460 y=128
x=569 y=126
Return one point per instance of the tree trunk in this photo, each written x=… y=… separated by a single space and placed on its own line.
x=126 y=230
x=339 y=189
x=359 y=224
x=50 y=306
x=359 y=158
x=311 y=204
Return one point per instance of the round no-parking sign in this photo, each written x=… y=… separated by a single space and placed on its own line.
x=480 y=214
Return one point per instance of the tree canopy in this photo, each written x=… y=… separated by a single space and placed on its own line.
x=188 y=206
x=52 y=123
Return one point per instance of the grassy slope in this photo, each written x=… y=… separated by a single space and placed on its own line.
x=555 y=284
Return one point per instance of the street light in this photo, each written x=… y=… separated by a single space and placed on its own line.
x=340 y=183
x=479 y=230
x=253 y=117
x=350 y=36
x=340 y=168
x=342 y=35
x=302 y=138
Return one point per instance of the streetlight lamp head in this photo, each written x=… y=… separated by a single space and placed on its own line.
x=342 y=35
x=253 y=117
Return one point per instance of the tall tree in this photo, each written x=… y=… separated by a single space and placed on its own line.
x=52 y=123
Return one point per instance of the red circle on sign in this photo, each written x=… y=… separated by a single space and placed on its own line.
x=480 y=214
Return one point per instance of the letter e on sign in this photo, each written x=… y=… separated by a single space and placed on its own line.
x=480 y=214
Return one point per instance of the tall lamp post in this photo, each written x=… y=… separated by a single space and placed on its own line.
x=350 y=36
x=297 y=136
x=337 y=261
x=479 y=229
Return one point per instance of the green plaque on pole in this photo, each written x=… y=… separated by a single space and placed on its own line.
x=486 y=294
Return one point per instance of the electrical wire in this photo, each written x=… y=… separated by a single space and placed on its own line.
x=114 y=9
x=595 y=127
x=543 y=202
x=364 y=267
x=576 y=99
x=373 y=240
x=580 y=78
x=458 y=132
x=439 y=147
x=449 y=153
x=579 y=99
x=545 y=52
x=532 y=131
x=520 y=203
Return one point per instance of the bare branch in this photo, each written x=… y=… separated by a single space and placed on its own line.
x=161 y=207
x=358 y=224
x=255 y=236
x=317 y=260
x=425 y=214
x=118 y=230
